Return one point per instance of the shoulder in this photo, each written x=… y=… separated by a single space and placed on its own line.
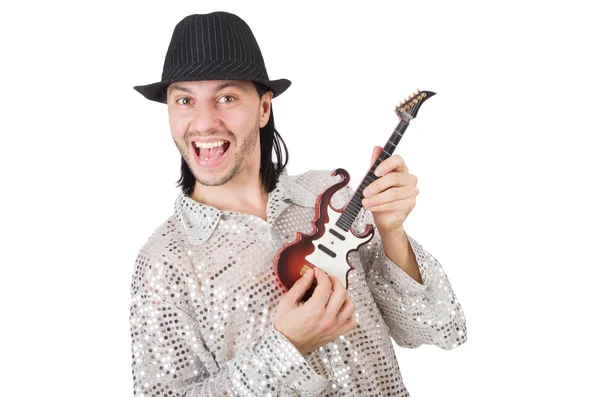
x=158 y=257
x=316 y=181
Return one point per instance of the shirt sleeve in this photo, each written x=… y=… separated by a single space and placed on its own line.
x=415 y=313
x=170 y=357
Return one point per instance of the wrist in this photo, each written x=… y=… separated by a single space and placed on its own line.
x=397 y=248
x=395 y=242
x=287 y=363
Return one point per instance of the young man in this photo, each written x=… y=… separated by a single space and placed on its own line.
x=209 y=316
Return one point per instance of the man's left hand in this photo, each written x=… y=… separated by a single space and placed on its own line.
x=392 y=196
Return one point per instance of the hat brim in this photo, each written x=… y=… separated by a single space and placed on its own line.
x=157 y=91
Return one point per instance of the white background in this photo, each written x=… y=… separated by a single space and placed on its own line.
x=506 y=156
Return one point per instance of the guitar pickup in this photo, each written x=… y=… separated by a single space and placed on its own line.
x=336 y=234
x=327 y=251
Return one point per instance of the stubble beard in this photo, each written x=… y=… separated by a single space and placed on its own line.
x=243 y=153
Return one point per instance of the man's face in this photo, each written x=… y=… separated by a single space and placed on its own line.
x=215 y=125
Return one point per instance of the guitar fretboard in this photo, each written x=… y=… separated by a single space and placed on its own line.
x=353 y=208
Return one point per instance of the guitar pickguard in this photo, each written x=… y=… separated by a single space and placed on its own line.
x=331 y=249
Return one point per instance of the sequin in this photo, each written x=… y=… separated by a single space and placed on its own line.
x=203 y=296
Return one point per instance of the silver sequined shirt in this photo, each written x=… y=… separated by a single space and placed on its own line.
x=204 y=293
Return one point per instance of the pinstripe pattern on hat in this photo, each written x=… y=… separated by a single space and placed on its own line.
x=215 y=46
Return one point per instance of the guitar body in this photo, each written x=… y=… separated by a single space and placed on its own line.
x=327 y=247
x=332 y=238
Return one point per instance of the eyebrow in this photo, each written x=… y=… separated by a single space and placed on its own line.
x=180 y=88
x=231 y=83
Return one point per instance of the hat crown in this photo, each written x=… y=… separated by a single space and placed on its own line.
x=215 y=46
x=218 y=37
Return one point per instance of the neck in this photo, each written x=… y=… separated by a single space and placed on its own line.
x=235 y=195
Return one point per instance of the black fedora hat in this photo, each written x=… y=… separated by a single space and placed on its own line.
x=215 y=46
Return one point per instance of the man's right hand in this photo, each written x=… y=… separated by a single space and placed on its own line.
x=328 y=313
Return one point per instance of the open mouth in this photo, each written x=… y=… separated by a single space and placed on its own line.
x=210 y=151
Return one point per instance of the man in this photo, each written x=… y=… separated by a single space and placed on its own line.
x=209 y=316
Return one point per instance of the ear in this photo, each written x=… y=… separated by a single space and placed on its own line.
x=265 y=108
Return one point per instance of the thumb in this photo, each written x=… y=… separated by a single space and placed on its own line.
x=376 y=152
x=300 y=287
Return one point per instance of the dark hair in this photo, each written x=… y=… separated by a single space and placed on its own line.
x=270 y=141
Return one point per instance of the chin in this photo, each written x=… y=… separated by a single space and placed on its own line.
x=217 y=179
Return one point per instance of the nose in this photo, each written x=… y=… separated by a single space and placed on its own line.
x=205 y=119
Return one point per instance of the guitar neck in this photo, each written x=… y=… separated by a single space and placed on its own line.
x=355 y=205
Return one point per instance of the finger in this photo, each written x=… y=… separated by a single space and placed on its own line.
x=337 y=298
x=393 y=163
x=346 y=311
x=376 y=152
x=394 y=179
x=400 y=207
x=322 y=292
x=299 y=288
x=390 y=195
x=349 y=325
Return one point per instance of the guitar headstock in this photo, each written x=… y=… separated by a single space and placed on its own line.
x=408 y=109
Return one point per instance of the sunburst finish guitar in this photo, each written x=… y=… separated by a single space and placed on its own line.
x=332 y=239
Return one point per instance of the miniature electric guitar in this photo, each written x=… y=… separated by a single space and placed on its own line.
x=331 y=241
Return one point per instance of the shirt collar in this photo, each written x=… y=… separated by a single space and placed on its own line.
x=200 y=220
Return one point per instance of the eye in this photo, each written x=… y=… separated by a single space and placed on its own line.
x=226 y=99
x=184 y=101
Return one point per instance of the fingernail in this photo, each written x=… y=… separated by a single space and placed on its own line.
x=367 y=192
x=308 y=273
x=377 y=172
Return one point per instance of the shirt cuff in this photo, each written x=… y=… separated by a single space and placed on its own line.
x=288 y=364
x=398 y=278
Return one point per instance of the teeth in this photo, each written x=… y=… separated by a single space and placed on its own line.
x=209 y=145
